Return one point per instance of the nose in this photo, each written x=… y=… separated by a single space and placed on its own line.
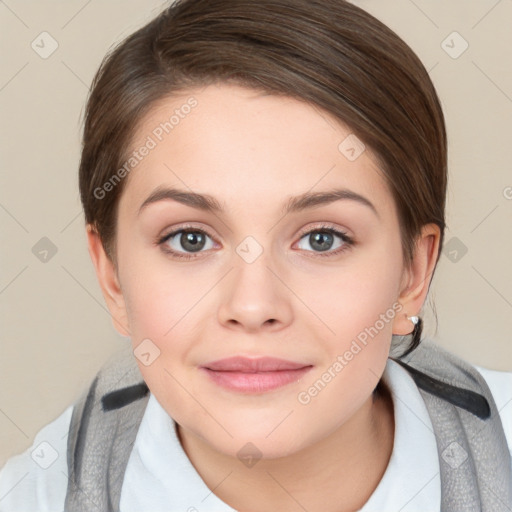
x=254 y=296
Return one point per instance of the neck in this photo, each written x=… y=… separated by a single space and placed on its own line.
x=339 y=473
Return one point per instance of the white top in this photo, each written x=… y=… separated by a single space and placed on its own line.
x=36 y=480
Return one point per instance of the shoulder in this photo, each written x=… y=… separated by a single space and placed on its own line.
x=500 y=384
x=36 y=480
x=432 y=359
x=451 y=368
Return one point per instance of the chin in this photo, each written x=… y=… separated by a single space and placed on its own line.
x=248 y=444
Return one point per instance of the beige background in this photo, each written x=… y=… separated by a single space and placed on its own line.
x=55 y=329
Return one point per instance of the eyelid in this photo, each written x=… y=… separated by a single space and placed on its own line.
x=184 y=227
x=324 y=225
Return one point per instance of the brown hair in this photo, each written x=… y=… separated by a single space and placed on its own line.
x=330 y=53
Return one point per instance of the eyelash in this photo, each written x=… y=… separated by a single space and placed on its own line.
x=348 y=241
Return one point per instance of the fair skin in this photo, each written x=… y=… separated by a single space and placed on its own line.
x=253 y=152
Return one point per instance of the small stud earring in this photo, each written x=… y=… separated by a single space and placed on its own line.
x=413 y=319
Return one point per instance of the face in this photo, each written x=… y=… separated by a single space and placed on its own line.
x=264 y=274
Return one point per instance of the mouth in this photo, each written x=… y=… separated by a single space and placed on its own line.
x=257 y=375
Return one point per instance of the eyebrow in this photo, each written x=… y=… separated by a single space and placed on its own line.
x=208 y=203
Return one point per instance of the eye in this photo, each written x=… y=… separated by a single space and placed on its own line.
x=322 y=239
x=192 y=240
x=188 y=240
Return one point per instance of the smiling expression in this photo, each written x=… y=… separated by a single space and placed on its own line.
x=246 y=232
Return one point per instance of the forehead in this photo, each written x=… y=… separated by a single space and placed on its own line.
x=244 y=146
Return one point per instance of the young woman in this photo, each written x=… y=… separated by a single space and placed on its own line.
x=264 y=192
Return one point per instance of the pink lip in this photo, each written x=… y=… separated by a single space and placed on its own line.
x=254 y=375
x=248 y=365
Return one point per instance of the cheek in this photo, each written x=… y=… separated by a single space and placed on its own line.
x=358 y=305
x=159 y=294
x=354 y=296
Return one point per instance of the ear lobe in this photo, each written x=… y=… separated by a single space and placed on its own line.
x=109 y=282
x=415 y=290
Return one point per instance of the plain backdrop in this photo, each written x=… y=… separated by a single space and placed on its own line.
x=55 y=328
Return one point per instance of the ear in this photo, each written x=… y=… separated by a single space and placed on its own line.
x=416 y=279
x=109 y=282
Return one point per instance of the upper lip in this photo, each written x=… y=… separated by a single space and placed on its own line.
x=253 y=365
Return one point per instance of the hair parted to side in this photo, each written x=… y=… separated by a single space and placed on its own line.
x=329 y=53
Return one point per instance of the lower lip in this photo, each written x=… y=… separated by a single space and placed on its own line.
x=259 y=382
